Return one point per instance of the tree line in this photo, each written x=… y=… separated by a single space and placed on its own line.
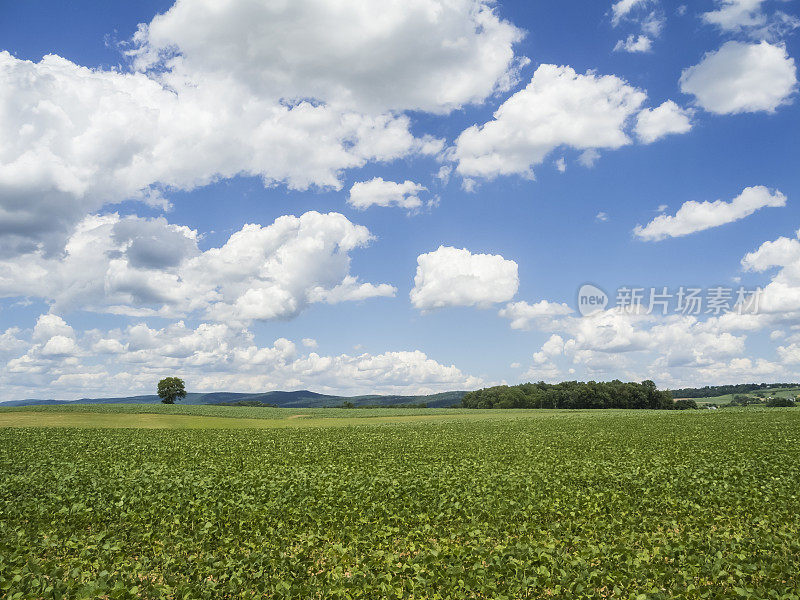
x=742 y=400
x=709 y=391
x=571 y=394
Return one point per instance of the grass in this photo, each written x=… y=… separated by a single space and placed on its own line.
x=640 y=505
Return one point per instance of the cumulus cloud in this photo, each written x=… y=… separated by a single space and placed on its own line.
x=634 y=44
x=742 y=77
x=293 y=93
x=135 y=266
x=647 y=15
x=783 y=252
x=559 y=107
x=210 y=357
x=457 y=277
x=49 y=326
x=637 y=344
x=698 y=216
x=589 y=157
x=11 y=343
x=654 y=123
x=80 y=138
x=525 y=316
x=622 y=8
x=733 y=15
x=59 y=345
x=679 y=349
x=781 y=296
x=429 y=55
x=377 y=192
x=750 y=17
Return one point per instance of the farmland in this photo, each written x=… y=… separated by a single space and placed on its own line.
x=723 y=394
x=377 y=504
x=778 y=392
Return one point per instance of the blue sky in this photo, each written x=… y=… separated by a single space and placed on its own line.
x=505 y=154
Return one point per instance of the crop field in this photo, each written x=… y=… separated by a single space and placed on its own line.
x=508 y=504
x=241 y=412
x=128 y=420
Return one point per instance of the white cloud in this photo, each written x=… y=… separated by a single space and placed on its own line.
x=372 y=57
x=601 y=216
x=622 y=8
x=740 y=369
x=741 y=77
x=783 y=252
x=750 y=17
x=108 y=346
x=611 y=343
x=59 y=345
x=211 y=357
x=682 y=350
x=654 y=123
x=634 y=44
x=698 y=216
x=49 y=326
x=78 y=139
x=559 y=107
x=293 y=93
x=543 y=370
x=553 y=346
x=456 y=277
x=525 y=316
x=350 y=290
x=733 y=15
x=653 y=23
x=10 y=342
x=781 y=296
x=588 y=158
x=650 y=22
x=377 y=192
x=309 y=342
x=138 y=266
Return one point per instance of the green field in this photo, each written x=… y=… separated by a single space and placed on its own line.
x=398 y=504
x=240 y=412
x=197 y=417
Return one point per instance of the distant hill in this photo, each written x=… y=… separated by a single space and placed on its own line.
x=294 y=399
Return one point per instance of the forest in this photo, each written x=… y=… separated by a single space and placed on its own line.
x=571 y=394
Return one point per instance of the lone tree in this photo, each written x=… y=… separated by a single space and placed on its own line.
x=170 y=389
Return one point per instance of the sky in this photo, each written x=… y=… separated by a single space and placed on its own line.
x=396 y=196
